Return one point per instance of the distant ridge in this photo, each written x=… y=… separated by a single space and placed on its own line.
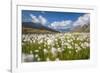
x=84 y=28
x=29 y=27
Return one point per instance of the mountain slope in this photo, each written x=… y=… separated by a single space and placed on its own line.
x=84 y=28
x=29 y=27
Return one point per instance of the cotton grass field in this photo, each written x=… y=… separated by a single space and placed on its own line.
x=55 y=47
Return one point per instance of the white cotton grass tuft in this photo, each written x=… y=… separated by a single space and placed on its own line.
x=69 y=47
x=40 y=47
x=59 y=50
x=55 y=43
x=45 y=50
x=57 y=59
x=47 y=59
x=38 y=59
x=49 y=41
x=36 y=56
x=53 y=51
x=70 y=52
x=36 y=50
x=31 y=52
x=44 y=45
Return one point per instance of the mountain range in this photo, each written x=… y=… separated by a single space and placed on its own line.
x=29 y=27
x=84 y=28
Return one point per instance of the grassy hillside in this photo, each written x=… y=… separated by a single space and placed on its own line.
x=33 y=30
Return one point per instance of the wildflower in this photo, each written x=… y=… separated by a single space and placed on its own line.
x=44 y=45
x=38 y=59
x=55 y=39
x=76 y=50
x=57 y=59
x=59 y=50
x=86 y=44
x=49 y=42
x=69 y=46
x=31 y=52
x=36 y=55
x=47 y=59
x=53 y=51
x=68 y=40
x=39 y=47
x=45 y=50
x=57 y=45
x=70 y=52
x=36 y=50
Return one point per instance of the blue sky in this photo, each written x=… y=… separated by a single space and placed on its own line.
x=56 y=20
x=50 y=16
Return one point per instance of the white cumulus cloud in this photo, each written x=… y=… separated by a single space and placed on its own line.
x=40 y=19
x=82 y=20
x=34 y=18
x=61 y=24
